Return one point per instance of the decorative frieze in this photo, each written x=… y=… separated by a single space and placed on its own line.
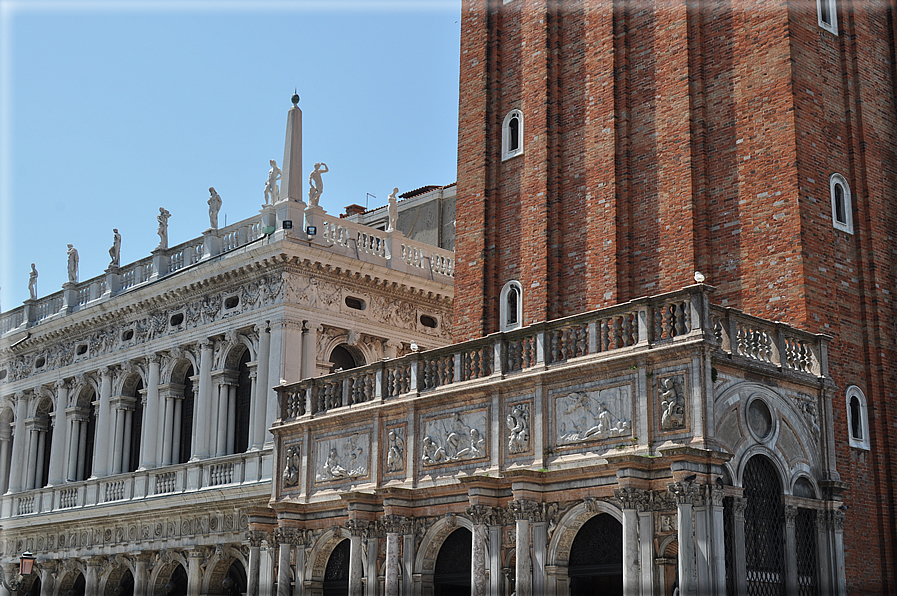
x=593 y=415
x=459 y=437
x=340 y=459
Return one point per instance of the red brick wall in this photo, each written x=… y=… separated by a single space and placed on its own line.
x=666 y=137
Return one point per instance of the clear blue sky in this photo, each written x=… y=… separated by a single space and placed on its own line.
x=109 y=110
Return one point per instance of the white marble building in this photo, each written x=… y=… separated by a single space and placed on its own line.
x=135 y=406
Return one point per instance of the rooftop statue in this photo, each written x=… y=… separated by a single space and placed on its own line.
x=272 y=191
x=115 y=250
x=316 y=185
x=214 y=207
x=73 y=264
x=32 y=283
x=393 y=210
x=162 y=218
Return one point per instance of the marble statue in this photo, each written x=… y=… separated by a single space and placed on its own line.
x=115 y=249
x=162 y=218
x=32 y=283
x=73 y=264
x=393 y=210
x=272 y=191
x=518 y=433
x=214 y=207
x=395 y=454
x=316 y=185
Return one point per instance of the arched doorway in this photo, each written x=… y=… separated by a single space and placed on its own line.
x=596 y=558
x=763 y=528
x=77 y=588
x=336 y=574
x=344 y=358
x=35 y=588
x=452 y=574
x=124 y=586
x=234 y=581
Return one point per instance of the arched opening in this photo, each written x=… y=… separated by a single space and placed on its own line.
x=78 y=587
x=336 y=574
x=234 y=581
x=186 y=423
x=83 y=428
x=177 y=585
x=243 y=405
x=596 y=558
x=35 y=588
x=763 y=528
x=41 y=431
x=124 y=586
x=132 y=461
x=452 y=573
x=342 y=359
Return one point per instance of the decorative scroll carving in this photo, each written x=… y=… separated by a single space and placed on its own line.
x=292 y=466
x=672 y=403
x=517 y=422
x=595 y=415
x=344 y=458
x=455 y=438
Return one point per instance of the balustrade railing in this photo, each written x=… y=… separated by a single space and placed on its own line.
x=243 y=469
x=638 y=324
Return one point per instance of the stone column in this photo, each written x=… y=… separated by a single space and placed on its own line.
x=31 y=464
x=200 y=442
x=481 y=516
x=39 y=460
x=408 y=559
x=631 y=499
x=101 y=442
x=540 y=554
x=141 y=575
x=739 y=505
x=371 y=545
x=74 y=444
x=393 y=524
x=231 y=419
x=92 y=577
x=47 y=579
x=791 y=584
x=496 y=579
x=356 y=568
x=255 y=538
x=303 y=540
x=167 y=429
x=523 y=510
x=220 y=437
x=5 y=441
x=118 y=443
x=839 y=569
x=283 y=537
x=262 y=388
x=57 y=446
x=150 y=444
x=717 y=538
x=194 y=572
x=16 y=477
x=686 y=494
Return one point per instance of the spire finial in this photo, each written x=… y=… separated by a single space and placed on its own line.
x=295 y=99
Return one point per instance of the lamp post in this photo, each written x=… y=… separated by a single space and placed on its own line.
x=26 y=566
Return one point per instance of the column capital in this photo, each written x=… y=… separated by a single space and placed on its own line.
x=262 y=328
x=104 y=372
x=523 y=509
x=739 y=506
x=356 y=527
x=483 y=515
x=154 y=358
x=632 y=498
x=687 y=493
x=256 y=537
x=205 y=344
x=396 y=524
x=790 y=515
x=61 y=384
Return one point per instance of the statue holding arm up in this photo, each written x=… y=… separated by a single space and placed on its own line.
x=316 y=186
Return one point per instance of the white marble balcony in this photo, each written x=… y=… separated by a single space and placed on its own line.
x=250 y=469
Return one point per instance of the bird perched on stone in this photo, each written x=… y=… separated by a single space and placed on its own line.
x=699 y=277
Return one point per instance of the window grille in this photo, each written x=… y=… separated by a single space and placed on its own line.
x=729 y=543
x=805 y=534
x=763 y=529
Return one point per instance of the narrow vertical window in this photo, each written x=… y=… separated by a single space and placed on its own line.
x=511 y=306
x=842 y=206
x=827 y=13
x=512 y=135
x=857 y=418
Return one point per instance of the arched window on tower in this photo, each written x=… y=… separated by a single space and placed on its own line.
x=827 y=15
x=842 y=208
x=512 y=135
x=857 y=418
x=511 y=307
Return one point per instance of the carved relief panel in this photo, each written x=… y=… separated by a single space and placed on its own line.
x=292 y=466
x=593 y=415
x=671 y=403
x=460 y=437
x=342 y=459
x=518 y=426
x=394 y=453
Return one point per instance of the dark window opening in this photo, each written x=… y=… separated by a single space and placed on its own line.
x=452 y=573
x=596 y=557
x=177 y=319
x=513 y=298
x=342 y=358
x=136 y=430
x=356 y=303
x=88 y=451
x=127 y=335
x=39 y=363
x=428 y=321
x=824 y=12
x=856 y=419
x=840 y=211
x=336 y=574
x=81 y=350
x=513 y=134
x=244 y=405
x=186 y=419
x=232 y=302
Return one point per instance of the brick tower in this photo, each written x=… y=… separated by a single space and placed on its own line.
x=609 y=150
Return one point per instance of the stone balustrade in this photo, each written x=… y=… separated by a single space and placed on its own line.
x=392 y=249
x=638 y=324
x=250 y=468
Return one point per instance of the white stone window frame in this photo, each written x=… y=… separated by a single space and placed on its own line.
x=503 y=306
x=844 y=226
x=832 y=6
x=506 y=152
x=861 y=440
